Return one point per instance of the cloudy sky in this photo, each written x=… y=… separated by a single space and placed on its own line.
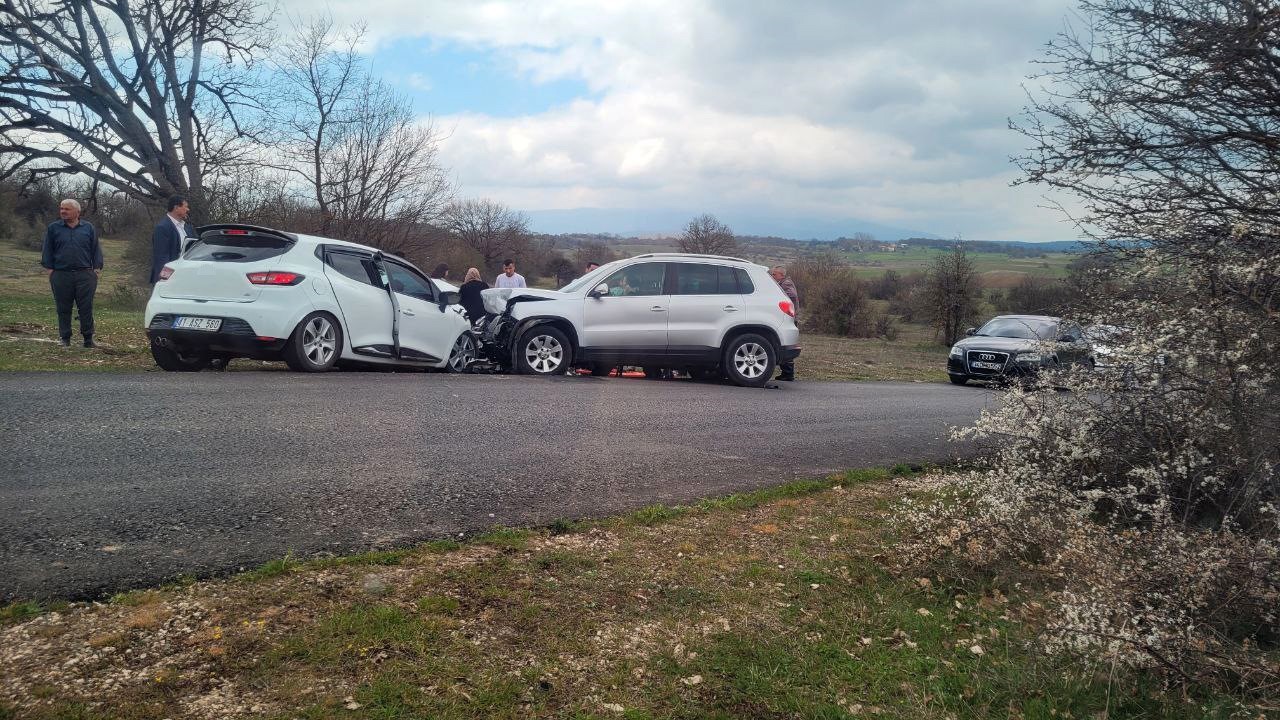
x=797 y=118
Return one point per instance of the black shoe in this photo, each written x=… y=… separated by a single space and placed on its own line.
x=785 y=378
x=89 y=343
x=64 y=342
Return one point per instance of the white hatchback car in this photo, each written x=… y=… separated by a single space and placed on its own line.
x=245 y=291
x=707 y=315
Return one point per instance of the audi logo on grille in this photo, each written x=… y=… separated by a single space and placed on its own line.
x=986 y=356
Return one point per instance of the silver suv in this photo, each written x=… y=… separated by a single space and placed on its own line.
x=702 y=314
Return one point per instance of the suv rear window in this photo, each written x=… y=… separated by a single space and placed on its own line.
x=242 y=249
x=744 y=282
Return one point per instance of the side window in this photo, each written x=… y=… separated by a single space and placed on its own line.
x=642 y=279
x=728 y=281
x=407 y=282
x=697 y=279
x=744 y=282
x=356 y=267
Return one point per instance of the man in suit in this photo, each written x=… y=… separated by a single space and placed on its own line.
x=169 y=233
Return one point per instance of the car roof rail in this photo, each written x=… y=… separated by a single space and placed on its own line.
x=693 y=255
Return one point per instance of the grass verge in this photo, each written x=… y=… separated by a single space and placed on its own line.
x=772 y=604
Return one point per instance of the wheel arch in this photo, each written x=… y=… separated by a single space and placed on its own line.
x=767 y=332
x=558 y=323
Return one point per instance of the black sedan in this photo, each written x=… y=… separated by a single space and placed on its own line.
x=1016 y=345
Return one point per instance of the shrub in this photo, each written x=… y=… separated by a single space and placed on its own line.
x=1037 y=295
x=832 y=300
x=1153 y=493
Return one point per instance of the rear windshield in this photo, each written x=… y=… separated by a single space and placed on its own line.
x=243 y=249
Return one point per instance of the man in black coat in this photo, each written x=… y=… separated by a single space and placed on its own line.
x=169 y=234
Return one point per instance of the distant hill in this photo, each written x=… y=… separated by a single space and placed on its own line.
x=649 y=222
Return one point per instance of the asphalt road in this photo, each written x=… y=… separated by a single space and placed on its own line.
x=110 y=482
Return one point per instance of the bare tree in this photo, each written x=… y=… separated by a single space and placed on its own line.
x=490 y=228
x=951 y=291
x=148 y=97
x=371 y=168
x=707 y=235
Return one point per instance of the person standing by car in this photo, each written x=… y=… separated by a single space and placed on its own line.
x=786 y=368
x=73 y=257
x=509 y=277
x=167 y=237
x=441 y=272
x=469 y=295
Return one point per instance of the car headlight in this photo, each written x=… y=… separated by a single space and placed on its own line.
x=1027 y=357
x=956 y=351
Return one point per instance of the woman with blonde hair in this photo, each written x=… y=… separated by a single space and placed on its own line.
x=470 y=295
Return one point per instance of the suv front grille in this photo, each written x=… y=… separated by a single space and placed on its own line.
x=230 y=326
x=986 y=356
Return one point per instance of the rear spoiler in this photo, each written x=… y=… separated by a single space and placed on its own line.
x=234 y=229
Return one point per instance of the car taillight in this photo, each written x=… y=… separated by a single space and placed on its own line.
x=274 y=278
x=166 y=272
x=235 y=232
x=786 y=307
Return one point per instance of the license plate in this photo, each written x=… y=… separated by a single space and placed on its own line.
x=197 y=323
x=986 y=365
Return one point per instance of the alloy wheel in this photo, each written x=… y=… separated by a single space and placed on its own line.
x=751 y=360
x=544 y=353
x=319 y=341
x=463 y=354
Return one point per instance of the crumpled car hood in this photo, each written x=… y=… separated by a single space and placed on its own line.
x=496 y=299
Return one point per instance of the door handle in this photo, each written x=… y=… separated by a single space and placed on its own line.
x=658 y=308
x=408 y=312
x=730 y=308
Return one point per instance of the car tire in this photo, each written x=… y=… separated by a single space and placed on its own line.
x=315 y=344
x=958 y=379
x=463 y=353
x=601 y=370
x=171 y=360
x=653 y=373
x=543 y=350
x=749 y=360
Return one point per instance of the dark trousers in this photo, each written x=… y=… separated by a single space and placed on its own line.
x=787 y=368
x=74 y=286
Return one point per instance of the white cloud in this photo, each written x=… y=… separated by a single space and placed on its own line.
x=895 y=112
x=418 y=81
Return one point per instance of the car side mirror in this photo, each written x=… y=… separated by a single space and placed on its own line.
x=600 y=290
x=970 y=331
x=447 y=298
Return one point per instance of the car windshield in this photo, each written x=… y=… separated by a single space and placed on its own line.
x=584 y=281
x=1024 y=328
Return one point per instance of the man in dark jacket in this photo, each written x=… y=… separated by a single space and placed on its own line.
x=169 y=234
x=73 y=257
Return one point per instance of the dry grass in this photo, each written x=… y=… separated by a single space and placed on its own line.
x=915 y=356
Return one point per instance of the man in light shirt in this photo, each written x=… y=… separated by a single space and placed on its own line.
x=509 y=277
x=169 y=233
